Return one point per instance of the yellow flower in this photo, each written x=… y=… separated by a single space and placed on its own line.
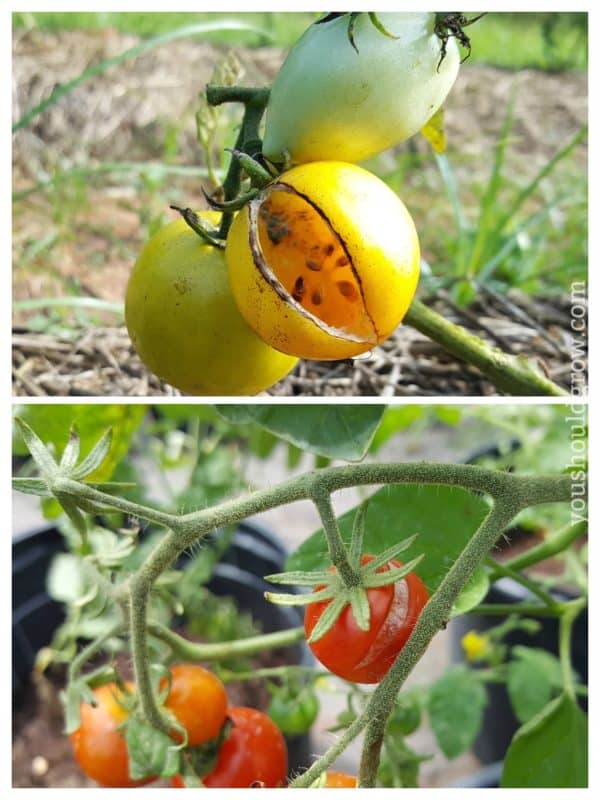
x=474 y=645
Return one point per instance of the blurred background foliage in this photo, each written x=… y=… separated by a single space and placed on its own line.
x=540 y=40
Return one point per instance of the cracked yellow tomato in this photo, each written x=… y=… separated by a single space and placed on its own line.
x=324 y=262
x=185 y=325
x=332 y=101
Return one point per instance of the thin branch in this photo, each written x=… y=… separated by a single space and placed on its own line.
x=512 y=374
x=217 y=651
x=337 y=549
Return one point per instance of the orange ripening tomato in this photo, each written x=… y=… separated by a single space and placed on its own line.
x=198 y=700
x=366 y=656
x=339 y=780
x=100 y=748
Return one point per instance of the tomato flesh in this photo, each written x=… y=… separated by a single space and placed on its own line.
x=311 y=263
x=339 y=780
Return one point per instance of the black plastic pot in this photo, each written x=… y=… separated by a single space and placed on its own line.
x=254 y=552
x=499 y=721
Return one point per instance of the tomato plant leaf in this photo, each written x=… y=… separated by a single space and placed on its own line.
x=95 y=458
x=70 y=455
x=472 y=593
x=53 y=424
x=444 y=517
x=35 y=486
x=549 y=751
x=532 y=675
x=456 y=702
x=151 y=752
x=343 y=432
x=36 y=447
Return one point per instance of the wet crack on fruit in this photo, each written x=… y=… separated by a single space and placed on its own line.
x=278 y=225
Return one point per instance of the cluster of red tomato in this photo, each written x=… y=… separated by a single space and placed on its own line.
x=254 y=751
x=323 y=262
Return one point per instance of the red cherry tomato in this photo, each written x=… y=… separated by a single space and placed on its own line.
x=101 y=749
x=198 y=699
x=255 y=752
x=366 y=656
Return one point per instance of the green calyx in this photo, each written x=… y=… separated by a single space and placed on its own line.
x=349 y=590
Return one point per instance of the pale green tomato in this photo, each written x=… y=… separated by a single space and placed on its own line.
x=329 y=102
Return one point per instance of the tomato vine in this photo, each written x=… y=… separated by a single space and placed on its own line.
x=509 y=493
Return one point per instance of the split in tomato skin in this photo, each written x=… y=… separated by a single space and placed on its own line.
x=366 y=656
x=254 y=754
x=324 y=262
x=99 y=746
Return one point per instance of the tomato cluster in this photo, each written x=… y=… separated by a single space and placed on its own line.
x=254 y=750
x=323 y=262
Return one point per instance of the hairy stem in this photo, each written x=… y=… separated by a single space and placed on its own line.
x=551 y=546
x=523 y=609
x=336 y=547
x=92 y=649
x=193 y=651
x=228 y=676
x=502 y=570
x=512 y=374
x=248 y=141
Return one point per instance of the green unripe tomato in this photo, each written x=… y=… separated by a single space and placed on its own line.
x=329 y=102
x=185 y=325
x=294 y=715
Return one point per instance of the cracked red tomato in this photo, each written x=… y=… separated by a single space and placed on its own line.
x=366 y=656
x=324 y=262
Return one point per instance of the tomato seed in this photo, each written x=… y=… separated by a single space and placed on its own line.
x=346 y=289
x=317 y=298
x=342 y=262
x=329 y=249
x=314 y=265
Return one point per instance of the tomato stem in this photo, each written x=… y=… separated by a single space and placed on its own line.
x=193 y=651
x=337 y=549
x=515 y=375
x=248 y=141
